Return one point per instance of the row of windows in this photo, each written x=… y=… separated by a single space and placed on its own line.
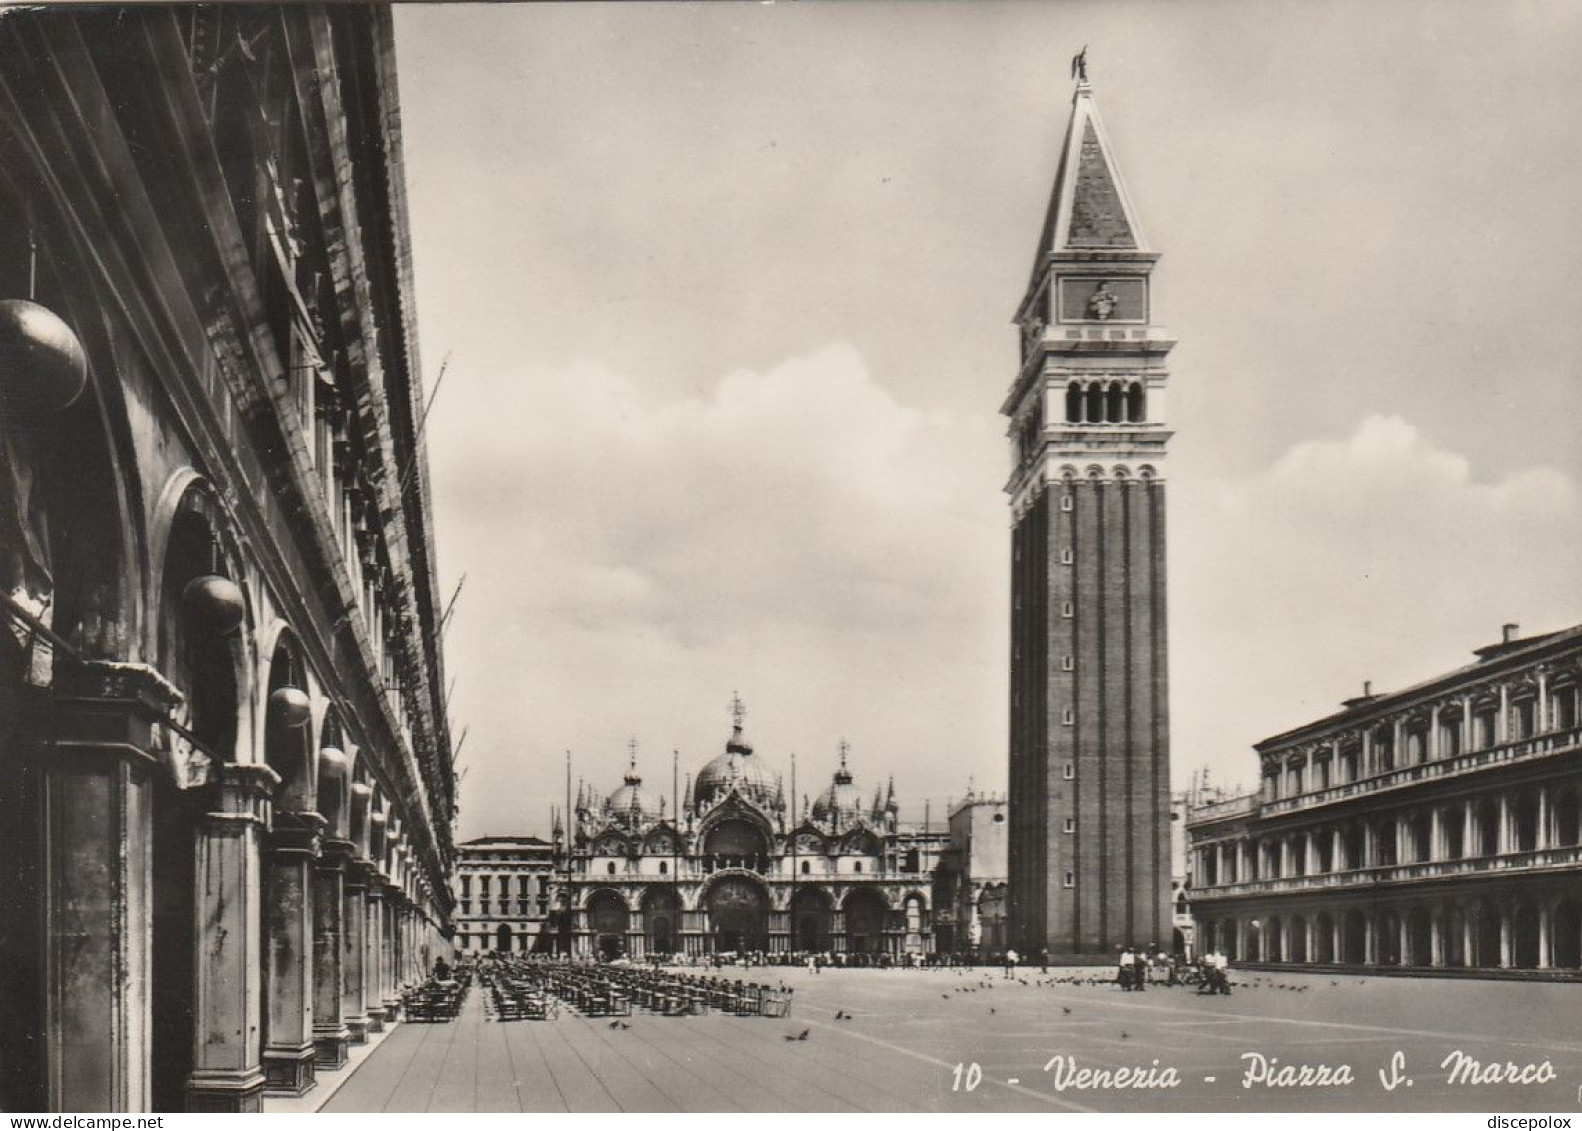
x=1101 y=403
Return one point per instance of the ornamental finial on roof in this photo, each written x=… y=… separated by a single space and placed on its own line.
x=845 y=749
x=1079 y=66
x=738 y=710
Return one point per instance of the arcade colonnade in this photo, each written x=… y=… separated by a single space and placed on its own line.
x=225 y=816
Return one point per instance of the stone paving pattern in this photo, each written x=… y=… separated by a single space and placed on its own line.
x=911 y=1028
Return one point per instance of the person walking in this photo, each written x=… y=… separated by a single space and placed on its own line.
x=1011 y=959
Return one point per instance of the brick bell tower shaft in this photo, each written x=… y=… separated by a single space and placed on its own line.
x=1089 y=713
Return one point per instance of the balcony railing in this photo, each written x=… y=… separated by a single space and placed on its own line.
x=1247 y=803
x=1528 y=749
x=1537 y=859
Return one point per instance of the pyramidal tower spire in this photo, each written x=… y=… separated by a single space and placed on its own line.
x=1089 y=742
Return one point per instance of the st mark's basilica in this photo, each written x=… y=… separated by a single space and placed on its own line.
x=743 y=867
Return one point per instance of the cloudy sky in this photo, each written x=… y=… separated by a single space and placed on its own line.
x=727 y=292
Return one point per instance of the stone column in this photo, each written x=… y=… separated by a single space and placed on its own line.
x=1469 y=830
x=373 y=949
x=1502 y=724
x=1436 y=936
x=1436 y=833
x=1507 y=943
x=331 y=1036
x=1370 y=939
x=97 y=774
x=1545 y=935
x=354 y=1010
x=1337 y=940
x=1337 y=852
x=288 y=892
x=1310 y=943
x=390 y=939
x=228 y=1072
x=1469 y=734
x=1505 y=841
x=1541 y=839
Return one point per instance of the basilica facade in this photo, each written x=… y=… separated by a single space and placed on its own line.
x=733 y=863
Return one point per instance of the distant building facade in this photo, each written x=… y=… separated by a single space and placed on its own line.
x=225 y=829
x=969 y=899
x=741 y=868
x=1089 y=848
x=505 y=888
x=1434 y=828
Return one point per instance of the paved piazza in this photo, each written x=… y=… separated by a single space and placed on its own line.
x=911 y=1028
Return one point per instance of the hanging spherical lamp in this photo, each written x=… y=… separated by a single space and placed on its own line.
x=291 y=706
x=332 y=760
x=214 y=603
x=43 y=367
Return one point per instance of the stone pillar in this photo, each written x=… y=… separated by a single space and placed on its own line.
x=1502 y=725
x=1545 y=935
x=373 y=949
x=1337 y=852
x=1436 y=833
x=1469 y=830
x=1507 y=943
x=288 y=892
x=1337 y=940
x=1469 y=734
x=97 y=781
x=391 y=989
x=1505 y=842
x=1370 y=939
x=228 y=1073
x=331 y=1036
x=1436 y=936
x=354 y=1009
x=1541 y=838
x=1310 y=943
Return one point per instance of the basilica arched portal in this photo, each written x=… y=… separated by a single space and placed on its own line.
x=738 y=912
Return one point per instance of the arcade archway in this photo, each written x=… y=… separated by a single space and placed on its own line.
x=811 y=917
x=865 y=911
x=662 y=920
x=607 y=920
x=738 y=915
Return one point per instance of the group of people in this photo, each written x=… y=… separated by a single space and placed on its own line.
x=1136 y=968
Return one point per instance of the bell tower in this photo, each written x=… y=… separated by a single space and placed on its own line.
x=1089 y=860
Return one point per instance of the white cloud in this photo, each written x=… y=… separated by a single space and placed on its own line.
x=798 y=533
x=1377 y=556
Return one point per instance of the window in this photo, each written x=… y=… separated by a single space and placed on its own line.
x=1065 y=502
x=806 y=867
x=1071 y=825
x=1067 y=717
x=1067 y=664
x=1071 y=879
x=1069 y=772
x=1067 y=556
x=610 y=868
x=664 y=867
x=857 y=866
x=1067 y=610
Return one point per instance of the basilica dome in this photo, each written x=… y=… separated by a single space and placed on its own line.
x=739 y=769
x=842 y=803
x=631 y=803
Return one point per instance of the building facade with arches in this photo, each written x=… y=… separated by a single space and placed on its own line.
x=743 y=868
x=225 y=825
x=1435 y=828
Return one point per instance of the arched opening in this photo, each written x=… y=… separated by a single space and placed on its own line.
x=1384 y=841
x=1136 y=405
x=1352 y=841
x=735 y=843
x=1177 y=943
x=1524 y=937
x=1419 y=938
x=1487 y=822
x=1073 y=403
x=1566 y=818
x=1354 y=937
x=1298 y=938
x=865 y=911
x=1455 y=833
x=1420 y=830
x=1114 y=404
x=738 y=915
x=1488 y=940
x=1568 y=934
x=1227 y=939
x=503 y=939
x=1273 y=950
x=1455 y=938
x=607 y=920
x=1389 y=938
x=661 y=920
x=1563 y=706
x=1254 y=941
x=200 y=650
x=1324 y=938
x=1095 y=404
x=1524 y=821
x=811 y=916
